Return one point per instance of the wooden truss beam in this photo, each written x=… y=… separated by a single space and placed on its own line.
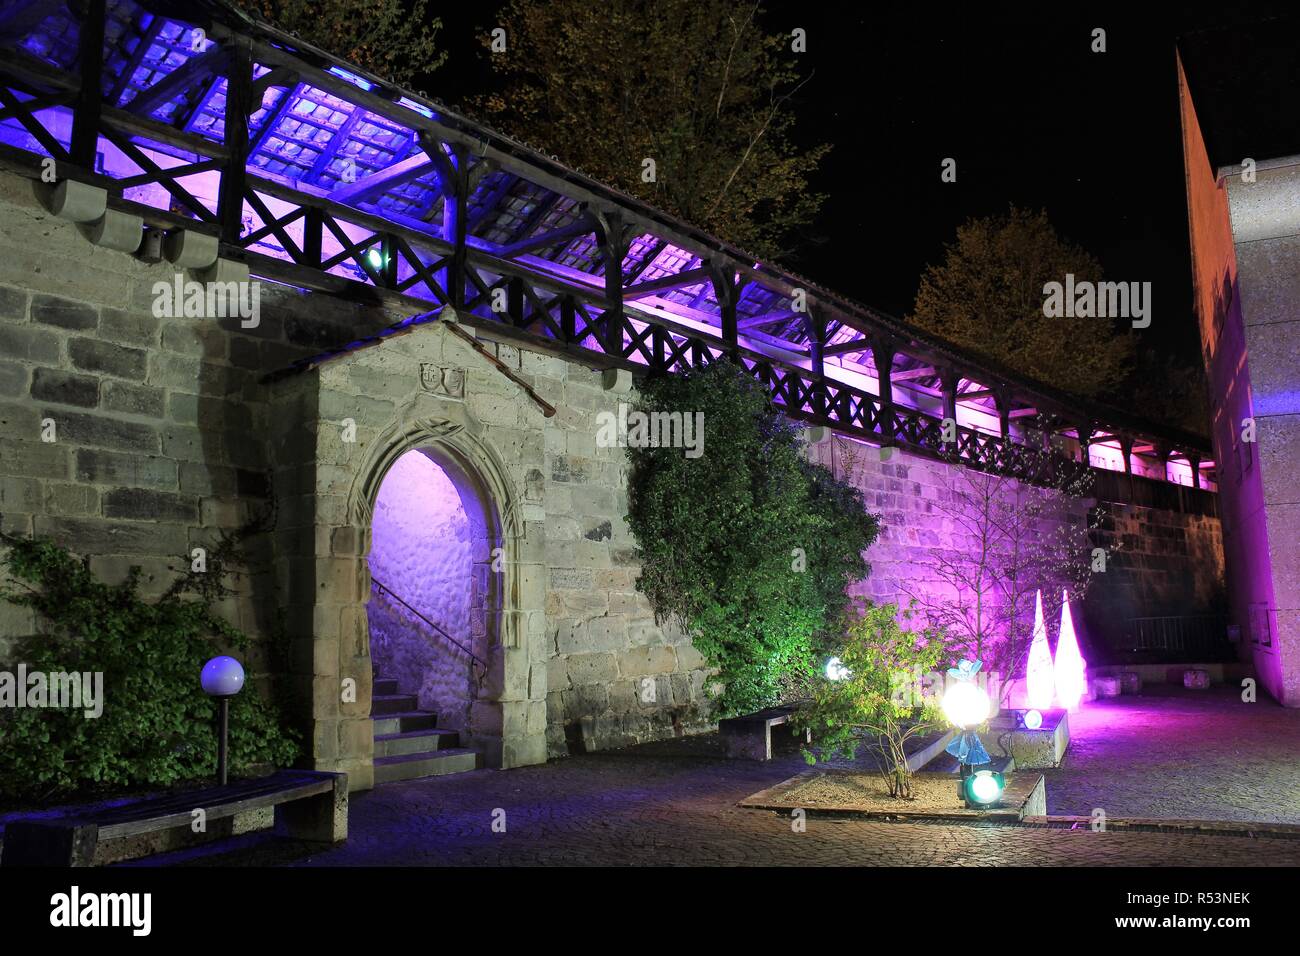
x=23 y=16
x=666 y=283
x=180 y=80
x=413 y=167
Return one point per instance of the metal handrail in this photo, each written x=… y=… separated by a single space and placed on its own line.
x=398 y=598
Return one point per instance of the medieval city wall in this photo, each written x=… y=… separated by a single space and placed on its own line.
x=165 y=436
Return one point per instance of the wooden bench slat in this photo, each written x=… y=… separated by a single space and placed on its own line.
x=207 y=797
x=165 y=818
x=161 y=813
x=312 y=804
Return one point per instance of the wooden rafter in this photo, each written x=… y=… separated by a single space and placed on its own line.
x=413 y=167
x=179 y=80
x=666 y=283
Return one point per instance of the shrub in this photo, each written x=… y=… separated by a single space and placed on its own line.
x=157 y=725
x=748 y=544
x=880 y=693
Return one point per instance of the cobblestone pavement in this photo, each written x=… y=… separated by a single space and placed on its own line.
x=675 y=804
x=1170 y=752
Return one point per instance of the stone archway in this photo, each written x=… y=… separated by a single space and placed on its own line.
x=342 y=426
x=488 y=500
x=434 y=597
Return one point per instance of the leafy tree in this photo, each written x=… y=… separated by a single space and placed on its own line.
x=880 y=693
x=1170 y=390
x=749 y=544
x=394 y=39
x=156 y=728
x=987 y=297
x=699 y=87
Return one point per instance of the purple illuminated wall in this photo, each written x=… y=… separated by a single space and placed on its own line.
x=421 y=549
x=1243 y=256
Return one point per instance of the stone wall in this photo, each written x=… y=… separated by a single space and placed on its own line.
x=1158 y=561
x=155 y=422
x=166 y=437
x=574 y=657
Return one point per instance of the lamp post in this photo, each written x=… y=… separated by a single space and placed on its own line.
x=222 y=678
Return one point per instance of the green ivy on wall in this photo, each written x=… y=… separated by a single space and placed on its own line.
x=748 y=543
x=157 y=725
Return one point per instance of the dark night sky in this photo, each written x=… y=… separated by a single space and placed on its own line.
x=1031 y=115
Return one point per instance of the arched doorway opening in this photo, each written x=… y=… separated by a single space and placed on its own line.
x=433 y=606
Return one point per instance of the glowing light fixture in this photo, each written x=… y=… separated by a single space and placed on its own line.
x=983 y=788
x=222 y=678
x=965 y=704
x=1071 y=669
x=1033 y=719
x=376 y=258
x=835 y=670
x=1038 y=672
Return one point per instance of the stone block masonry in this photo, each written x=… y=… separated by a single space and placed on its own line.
x=1158 y=562
x=165 y=436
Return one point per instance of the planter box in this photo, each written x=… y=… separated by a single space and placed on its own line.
x=1031 y=749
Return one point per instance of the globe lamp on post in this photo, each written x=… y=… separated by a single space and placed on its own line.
x=222 y=678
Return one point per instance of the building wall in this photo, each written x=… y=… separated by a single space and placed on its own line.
x=1246 y=266
x=167 y=436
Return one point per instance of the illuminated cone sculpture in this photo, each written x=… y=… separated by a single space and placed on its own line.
x=1038 y=673
x=1071 y=669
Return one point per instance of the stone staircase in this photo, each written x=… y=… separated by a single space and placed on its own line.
x=408 y=742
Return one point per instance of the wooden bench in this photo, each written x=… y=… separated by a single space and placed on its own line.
x=750 y=737
x=313 y=806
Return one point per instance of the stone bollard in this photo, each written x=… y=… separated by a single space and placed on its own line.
x=1107 y=686
x=1130 y=682
x=1196 y=679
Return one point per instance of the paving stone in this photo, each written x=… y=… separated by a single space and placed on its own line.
x=674 y=804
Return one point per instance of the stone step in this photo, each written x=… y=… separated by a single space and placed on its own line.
x=384 y=686
x=404 y=722
x=385 y=704
x=415 y=741
x=437 y=763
